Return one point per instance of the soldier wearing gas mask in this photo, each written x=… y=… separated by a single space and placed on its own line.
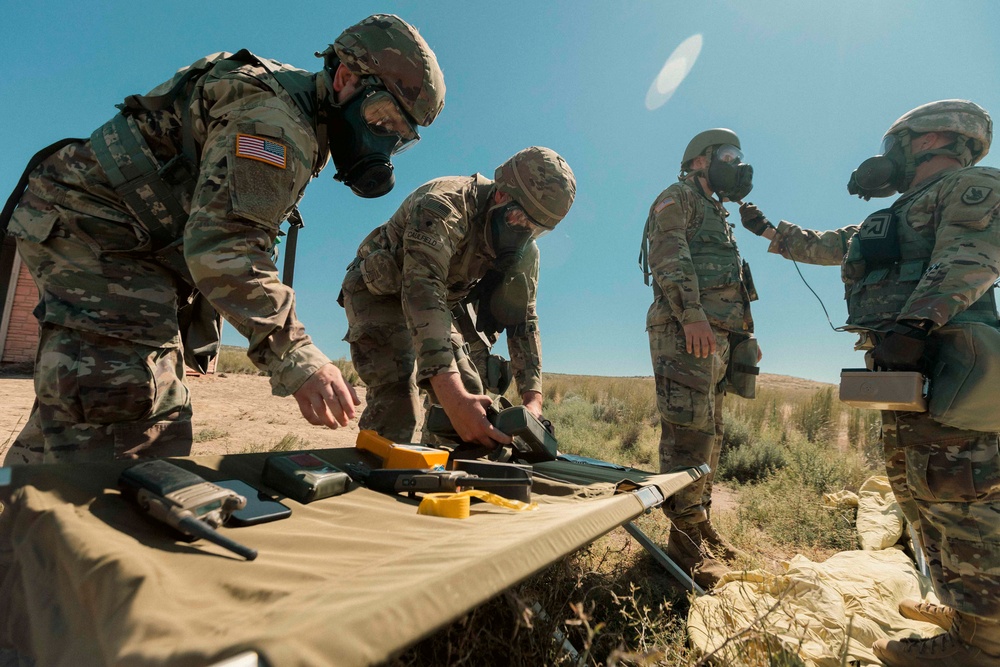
x=174 y=206
x=920 y=276
x=454 y=243
x=699 y=318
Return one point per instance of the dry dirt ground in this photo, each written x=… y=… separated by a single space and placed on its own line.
x=232 y=413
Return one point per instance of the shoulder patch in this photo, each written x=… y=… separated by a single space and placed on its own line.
x=418 y=236
x=262 y=149
x=975 y=194
x=667 y=201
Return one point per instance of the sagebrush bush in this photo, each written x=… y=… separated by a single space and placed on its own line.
x=752 y=462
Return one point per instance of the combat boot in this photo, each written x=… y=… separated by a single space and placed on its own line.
x=928 y=612
x=971 y=642
x=718 y=545
x=684 y=547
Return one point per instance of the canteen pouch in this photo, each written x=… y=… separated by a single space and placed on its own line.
x=965 y=378
x=741 y=374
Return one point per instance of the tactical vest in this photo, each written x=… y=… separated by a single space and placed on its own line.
x=724 y=281
x=885 y=261
x=159 y=195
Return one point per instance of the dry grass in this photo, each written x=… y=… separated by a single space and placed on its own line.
x=611 y=602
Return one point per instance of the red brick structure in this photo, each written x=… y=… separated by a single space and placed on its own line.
x=18 y=326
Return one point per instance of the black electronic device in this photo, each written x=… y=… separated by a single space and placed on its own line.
x=260 y=507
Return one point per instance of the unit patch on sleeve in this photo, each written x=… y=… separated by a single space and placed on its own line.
x=975 y=194
x=261 y=149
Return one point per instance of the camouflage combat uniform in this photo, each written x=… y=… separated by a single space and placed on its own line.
x=697 y=276
x=400 y=291
x=947 y=480
x=109 y=367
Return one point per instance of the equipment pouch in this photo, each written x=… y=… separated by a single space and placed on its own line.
x=965 y=378
x=878 y=237
x=747 y=279
x=498 y=374
x=201 y=332
x=741 y=374
x=381 y=274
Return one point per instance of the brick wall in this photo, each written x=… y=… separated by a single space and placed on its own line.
x=22 y=331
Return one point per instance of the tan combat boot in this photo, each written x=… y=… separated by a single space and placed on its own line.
x=971 y=642
x=928 y=612
x=718 y=545
x=684 y=547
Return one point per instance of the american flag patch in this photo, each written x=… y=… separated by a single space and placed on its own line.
x=663 y=204
x=259 y=148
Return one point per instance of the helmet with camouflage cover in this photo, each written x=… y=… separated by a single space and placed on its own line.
x=702 y=141
x=540 y=180
x=959 y=116
x=387 y=47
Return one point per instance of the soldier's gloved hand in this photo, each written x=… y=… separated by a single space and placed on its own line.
x=753 y=219
x=902 y=349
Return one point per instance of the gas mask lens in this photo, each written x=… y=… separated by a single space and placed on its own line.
x=517 y=217
x=382 y=114
x=888 y=143
x=729 y=153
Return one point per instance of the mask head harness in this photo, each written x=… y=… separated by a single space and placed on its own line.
x=511 y=229
x=364 y=132
x=967 y=125
x=728 y=176
x=401 y=86
x=541 y=187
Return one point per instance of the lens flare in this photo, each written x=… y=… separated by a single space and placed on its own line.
x=674 y=71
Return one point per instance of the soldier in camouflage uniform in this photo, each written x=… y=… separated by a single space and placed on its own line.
x=701 y=307
x=182 y=194
x=927 y=261
x=453 y=240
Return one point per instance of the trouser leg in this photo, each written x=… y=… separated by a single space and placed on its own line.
x=952 y=478
x=99 y=398
x=383 y=356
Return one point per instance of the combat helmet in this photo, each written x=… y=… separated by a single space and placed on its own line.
x=704 y=140
x=387 y=47
x=540 y=180
x=960 y=116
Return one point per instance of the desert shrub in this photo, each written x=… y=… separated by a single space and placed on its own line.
x=816 y=416
x=752 y=462
x=233 y=360
x=788 y=509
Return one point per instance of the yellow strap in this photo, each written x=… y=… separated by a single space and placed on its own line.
x=456 y=505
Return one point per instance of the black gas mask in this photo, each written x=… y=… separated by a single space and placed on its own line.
x=728 y=176
x=509 y=239
x=886 y=174
x=364 y=133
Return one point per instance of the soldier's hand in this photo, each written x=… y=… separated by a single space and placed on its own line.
x=699 y=339
x=325 y=399
x=532 y=401
x=467 y=412
x=753 y=219
x=902 y=349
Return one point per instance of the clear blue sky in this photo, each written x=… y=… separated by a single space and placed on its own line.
x=810 y=88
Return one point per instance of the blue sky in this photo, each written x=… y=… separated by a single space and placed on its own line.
x=810 y=88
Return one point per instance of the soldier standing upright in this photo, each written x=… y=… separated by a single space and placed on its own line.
x=920 y=276
x=452 y=241
x=181 y=195
x=700 y=313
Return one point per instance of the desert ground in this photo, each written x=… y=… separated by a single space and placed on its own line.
x=233 y=413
